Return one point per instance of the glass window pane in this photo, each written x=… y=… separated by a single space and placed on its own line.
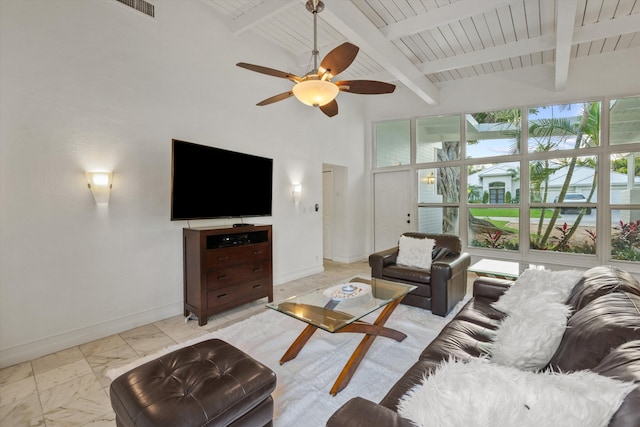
x=438 y=220
x=625 y=235
x=625 y=178
x=495 y=228
x=494 y=183
x=573 y=232
x=494 y=133
x=564 y=127
x=439 y=185
x=569 y=180
x=393 y=143
x=624 y=120
x=438 y=139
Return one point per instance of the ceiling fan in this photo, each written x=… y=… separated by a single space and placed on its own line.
x=316 y=88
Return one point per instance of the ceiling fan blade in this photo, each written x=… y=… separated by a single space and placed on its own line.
x=338 y=59
x=269 y=71
x=330 y=109
x=365 y=87
x=275 y=98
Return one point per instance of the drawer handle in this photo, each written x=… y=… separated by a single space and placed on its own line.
x=257 y=270
x=223 y=296
x=223 y=258
x=257 y=286
x=257 y=252
x=222 y=277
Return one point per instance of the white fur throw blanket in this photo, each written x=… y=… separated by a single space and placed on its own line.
x=479 y=394
x=536 y=318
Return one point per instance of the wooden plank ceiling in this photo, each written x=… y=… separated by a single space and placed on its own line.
x=421 y=43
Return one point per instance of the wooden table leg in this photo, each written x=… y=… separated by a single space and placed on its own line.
x=357 y=356
x=298 y=344
x=371 y=331
x=377 y=330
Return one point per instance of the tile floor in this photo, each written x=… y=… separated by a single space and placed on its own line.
x=69 y=388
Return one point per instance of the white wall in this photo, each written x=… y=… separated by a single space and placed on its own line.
x=95 y=85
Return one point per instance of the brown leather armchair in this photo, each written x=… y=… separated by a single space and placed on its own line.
x=441 y=287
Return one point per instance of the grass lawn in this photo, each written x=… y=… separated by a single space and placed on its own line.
x=507 y=212
x=502 y=225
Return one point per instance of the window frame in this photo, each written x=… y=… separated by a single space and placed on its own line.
x=602 y=206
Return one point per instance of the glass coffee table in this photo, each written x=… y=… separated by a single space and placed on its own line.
x=340 y=308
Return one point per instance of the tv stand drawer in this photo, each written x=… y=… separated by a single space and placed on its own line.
x=221 y=277
x=238 y=255
x=244 y=292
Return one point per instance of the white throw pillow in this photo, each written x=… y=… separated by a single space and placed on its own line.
x=414 y=252
x=479 y=394
x=538 y=287
x=529 y=337
x=536 y=318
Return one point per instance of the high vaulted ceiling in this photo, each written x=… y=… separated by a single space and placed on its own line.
x=421 y=43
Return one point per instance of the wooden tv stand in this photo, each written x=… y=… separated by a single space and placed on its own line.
x=225 y=267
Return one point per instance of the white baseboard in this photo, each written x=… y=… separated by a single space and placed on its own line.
x=346 y=259
x=298 y=274
x=37 y=348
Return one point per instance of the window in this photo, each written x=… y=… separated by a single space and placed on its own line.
x=441 y=187
x=624 y=179
x=488 y=184
x=624 y=118
x=563 y=189
x=493 y=133
x=494 y=228
x=564 y=127
x=437 y=139
x=438 y=152
x=393 y=143
x=570 y=196
x=564 y=194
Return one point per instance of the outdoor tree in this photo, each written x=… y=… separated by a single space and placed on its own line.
x=449 y=185
x=549 y=133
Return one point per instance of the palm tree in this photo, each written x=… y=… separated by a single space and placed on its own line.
x=586 y=132
x=473 y=193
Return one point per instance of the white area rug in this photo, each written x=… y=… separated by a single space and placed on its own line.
x=303 y=384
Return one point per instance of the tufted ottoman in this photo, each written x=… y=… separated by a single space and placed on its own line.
x=210 y=383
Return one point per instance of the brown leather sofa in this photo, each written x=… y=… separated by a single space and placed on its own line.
x=440 y=288
x=602 y=335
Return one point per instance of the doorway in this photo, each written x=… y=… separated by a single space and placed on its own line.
x=392 y=208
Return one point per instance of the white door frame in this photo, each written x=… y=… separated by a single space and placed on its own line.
x=328 y=200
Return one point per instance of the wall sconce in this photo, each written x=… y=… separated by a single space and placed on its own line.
x=430 y=179
x=296 y=190
x=100 y=185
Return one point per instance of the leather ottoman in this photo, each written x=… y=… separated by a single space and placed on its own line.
x=210 y=383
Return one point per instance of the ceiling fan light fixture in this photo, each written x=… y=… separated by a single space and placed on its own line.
x=315 y=93
x=316 y=89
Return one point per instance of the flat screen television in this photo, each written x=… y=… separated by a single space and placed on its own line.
x=209 y=182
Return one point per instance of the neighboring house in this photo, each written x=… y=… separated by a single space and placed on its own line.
x=501 y=178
